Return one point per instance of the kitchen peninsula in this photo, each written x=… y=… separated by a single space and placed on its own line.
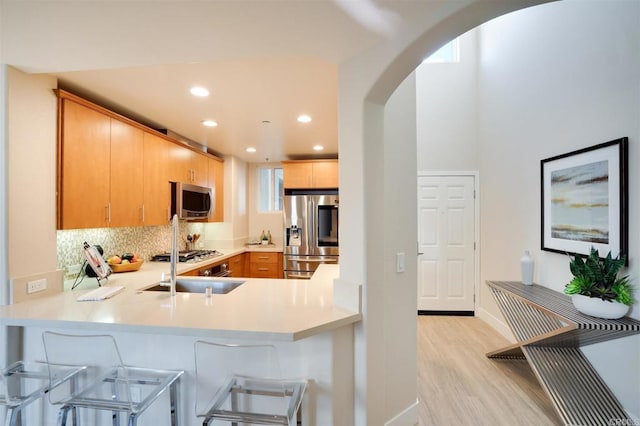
x=314 y=338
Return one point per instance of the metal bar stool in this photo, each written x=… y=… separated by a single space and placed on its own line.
x=106 y=383
x=22 y=383
x=243 y=384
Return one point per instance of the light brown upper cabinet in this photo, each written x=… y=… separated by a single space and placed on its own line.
x=101 y=175
x=126 y=175
x=188 y=166
x=157 y=189
x=113 y=171
x=310 y=174
x=84 y=163
x=216 y=181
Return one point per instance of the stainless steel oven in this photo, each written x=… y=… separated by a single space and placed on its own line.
x=310 y=230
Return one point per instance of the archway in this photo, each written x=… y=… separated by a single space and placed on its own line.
x=375 y=182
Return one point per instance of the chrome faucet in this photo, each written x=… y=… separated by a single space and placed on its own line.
x=173 y=260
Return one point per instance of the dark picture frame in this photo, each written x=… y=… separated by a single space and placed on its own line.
x=584 y=200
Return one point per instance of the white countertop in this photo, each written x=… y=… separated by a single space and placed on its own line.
x=268 y=309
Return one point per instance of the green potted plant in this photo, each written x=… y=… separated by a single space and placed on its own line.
x=596 y=289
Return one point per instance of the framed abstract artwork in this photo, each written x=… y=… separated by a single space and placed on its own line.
x=584 y=200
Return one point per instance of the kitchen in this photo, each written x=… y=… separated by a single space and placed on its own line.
x=120 y=239
x=151 y=271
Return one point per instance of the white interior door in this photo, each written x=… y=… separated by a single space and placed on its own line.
x=446 y=240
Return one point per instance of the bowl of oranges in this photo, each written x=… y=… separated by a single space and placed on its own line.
x=127 y=262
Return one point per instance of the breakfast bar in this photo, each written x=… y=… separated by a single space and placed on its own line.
x=314 y=338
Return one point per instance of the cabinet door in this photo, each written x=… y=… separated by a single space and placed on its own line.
x=297 y=175
x=216 y=181
x=325 y=174
x=265 y=265
x=180 y=163
x=157 y=190
x=84 y=167
x=127 y=186
x=236 y=265
x=199 y=169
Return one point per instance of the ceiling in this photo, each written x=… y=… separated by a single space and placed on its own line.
x=264 y=62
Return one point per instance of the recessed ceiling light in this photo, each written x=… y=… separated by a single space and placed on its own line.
x=318 y=147
x=199 y=91
x=250 y=149
x=304 y=118
x=209 y=123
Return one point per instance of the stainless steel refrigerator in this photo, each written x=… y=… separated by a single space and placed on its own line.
x=310 y=230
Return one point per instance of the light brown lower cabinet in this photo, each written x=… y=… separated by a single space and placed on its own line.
x=236 y=265
x=265 y=265
x=248 y=265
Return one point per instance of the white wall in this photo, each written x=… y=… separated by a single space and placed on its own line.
x=400 y=218
x=446 y=111
x=233 y=232
x=574 y=84
x=32 y=148
x=262 y=221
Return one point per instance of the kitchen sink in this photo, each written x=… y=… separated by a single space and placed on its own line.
x=199 y=285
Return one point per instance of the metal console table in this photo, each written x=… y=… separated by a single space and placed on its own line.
x=550 y=331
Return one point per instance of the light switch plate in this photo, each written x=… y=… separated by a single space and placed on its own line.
x=400 y=262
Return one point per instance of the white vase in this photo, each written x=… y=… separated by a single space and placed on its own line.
x=599 y=308
x=526 y=266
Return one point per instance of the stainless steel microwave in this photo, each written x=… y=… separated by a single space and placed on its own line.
x=191 y=202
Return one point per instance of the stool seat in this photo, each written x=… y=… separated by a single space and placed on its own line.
x=236 y=385
x=22 y=383
x=243 y=384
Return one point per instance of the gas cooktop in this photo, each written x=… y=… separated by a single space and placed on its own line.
x=188 y=256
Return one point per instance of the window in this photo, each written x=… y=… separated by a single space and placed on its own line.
x=270 y=189
x=448 y=53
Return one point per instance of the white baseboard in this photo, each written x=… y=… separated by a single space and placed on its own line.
x=407 y=417
x=496 y=323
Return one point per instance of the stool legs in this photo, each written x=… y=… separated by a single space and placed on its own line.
x=62 y=415
x=11 y=416
x=174 y=396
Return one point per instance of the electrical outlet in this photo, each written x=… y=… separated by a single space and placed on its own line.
x=74 y=269
x=36 y=285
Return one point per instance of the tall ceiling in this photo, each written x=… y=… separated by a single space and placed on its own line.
x=264 y=61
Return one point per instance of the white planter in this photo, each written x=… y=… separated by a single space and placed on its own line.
x=599 y=308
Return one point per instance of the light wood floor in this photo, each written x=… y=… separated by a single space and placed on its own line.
x=459 y=385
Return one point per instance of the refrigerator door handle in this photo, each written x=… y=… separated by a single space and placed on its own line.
x=312 y=226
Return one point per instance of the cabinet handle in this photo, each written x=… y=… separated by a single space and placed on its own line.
x=142 y=213
x=263 y=269
x=108 y=211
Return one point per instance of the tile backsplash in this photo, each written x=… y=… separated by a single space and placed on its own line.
x=145 y=240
